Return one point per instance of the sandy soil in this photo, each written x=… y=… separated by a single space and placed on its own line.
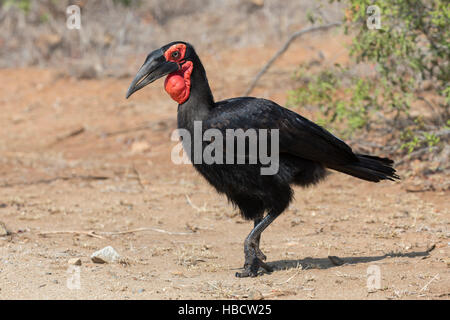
x=76 y=156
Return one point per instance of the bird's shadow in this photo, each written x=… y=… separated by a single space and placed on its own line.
x=331 y=262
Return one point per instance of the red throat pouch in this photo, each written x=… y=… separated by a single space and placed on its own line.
x=178 y=83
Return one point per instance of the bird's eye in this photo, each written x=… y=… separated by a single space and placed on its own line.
x=175 y=54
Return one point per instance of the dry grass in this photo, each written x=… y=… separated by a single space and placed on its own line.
x=112 y=34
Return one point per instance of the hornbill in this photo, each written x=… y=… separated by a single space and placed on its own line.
x=305 y=149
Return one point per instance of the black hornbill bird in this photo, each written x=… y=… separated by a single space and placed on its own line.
x=306 y=150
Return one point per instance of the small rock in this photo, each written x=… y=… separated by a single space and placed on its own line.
x=431 y=247
x=105 y=255
x=255 y=295
x=3 y=230
x=178 y=273
x=75 y=261
x=139 y=291
x=139 y=147
x=447 y=262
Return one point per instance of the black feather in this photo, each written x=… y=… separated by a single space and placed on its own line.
x=306 y=149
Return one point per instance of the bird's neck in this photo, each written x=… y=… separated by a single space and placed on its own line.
x=200 y=101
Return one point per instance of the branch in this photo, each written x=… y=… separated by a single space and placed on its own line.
x=97 y=234
x=284 y=48
x=71 y=134
x=138 y=176
x=87 y=233
x=144 y=229
x=415 y=154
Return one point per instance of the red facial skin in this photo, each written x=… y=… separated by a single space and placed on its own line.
x=178 y=83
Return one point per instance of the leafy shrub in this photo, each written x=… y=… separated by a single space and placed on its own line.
x=411 y=51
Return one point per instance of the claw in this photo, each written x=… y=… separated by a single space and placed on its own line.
x=251 y=269
x=245 y=274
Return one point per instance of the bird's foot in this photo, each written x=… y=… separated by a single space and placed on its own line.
x=253 y=261
x=251 y=268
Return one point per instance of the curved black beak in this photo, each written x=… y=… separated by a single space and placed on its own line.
x=154 y=67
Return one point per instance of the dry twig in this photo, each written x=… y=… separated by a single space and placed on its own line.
x=144 y=229
x=202 y=209
x=429 y=282
x=96 y=234
x=138 y=176
x=88 y=233
x=283 y=50
x=71 y=134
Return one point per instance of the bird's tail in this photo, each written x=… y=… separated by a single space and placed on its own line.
x=370 y=168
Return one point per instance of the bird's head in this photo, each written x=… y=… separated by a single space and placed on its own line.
x=175 y=60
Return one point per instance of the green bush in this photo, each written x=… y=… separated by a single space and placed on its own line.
x=24 y=5
x=410 y=50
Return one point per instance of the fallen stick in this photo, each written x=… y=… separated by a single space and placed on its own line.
x=429 y=282
x=96 y=234
x=291 y=277
x=138 y=176
x=416 y=154
x=202 y=209
x=144 y=229
x=71 y=134
x=283 y=49
x=88 y=233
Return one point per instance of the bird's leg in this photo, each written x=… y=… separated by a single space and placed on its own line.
x=252 y=261
x=259 y=253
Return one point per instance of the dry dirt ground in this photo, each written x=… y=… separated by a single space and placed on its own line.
x=76 y=156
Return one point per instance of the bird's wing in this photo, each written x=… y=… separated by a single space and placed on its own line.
x=297 y=135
